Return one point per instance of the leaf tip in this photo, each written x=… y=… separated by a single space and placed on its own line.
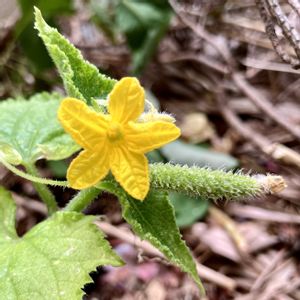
x=39 y=22
x=37 y=13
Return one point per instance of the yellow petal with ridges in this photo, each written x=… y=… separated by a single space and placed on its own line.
x=86 y=127
x=144 y=137
x=88 y=168
x=126 y=100
x=130 y=169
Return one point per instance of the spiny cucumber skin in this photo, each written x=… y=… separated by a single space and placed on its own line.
x=203 y=182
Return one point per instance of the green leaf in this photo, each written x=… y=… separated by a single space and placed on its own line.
x=182 y=153
x=153 y=220
x=30 y=130
x=82 y=80
x=53 y=260
x=9 y=154
x=7 y=217
x=187 y=209
x=144 y=23
x=58 y=147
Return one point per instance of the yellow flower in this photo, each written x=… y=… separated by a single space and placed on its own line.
x=114 y=141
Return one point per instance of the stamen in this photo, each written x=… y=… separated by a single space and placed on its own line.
x=114 y=132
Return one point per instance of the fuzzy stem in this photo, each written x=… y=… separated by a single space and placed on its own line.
x=45 y=194
x=193 y=181
x=82 y=199
x=32 y=177
x=203 y=182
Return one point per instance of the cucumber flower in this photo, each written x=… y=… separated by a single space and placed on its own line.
x=114 y=141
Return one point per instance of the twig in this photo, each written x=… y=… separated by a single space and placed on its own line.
x=245 y=131
x=30 y=204
x=291 y=88
x=275 y=150
x=271 y=33
x=270 y=267
x=289 y=31
x=269 y=65
x=230 y=226
x=260 y=101
x=257 y=213
x=203 y=271
x=200 y=58
x=200 y=32
x=295 y=4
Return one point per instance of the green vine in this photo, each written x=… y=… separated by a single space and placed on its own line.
x=46 y=195
x=32 y=177
x=193 y=181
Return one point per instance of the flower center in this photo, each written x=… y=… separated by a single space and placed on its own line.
x=114 y=132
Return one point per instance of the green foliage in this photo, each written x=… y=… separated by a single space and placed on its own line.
x=203 y=182
x=30 y=130
x=153 y=220
x=51 y=261
x=187 y=209
x=81 y=79
x=104 y=16
x=49 y=8
x=7 y=217
x=143 y=22
x=154 y=157
x=186 y=154
x=10 y=154
x=30 y=43
x=58 y=168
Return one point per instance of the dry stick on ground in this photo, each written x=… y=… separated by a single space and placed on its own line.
x=257 y=213
x=271 y=33
x=257 y=98
x=200 y=58
x=289 y=31
x=202 y=33
x=30 y=204
x=263 y=103
x=275 y=150
x=291 y=88
x=258 y=283
x=204 y=272
x=231 y=228
x=295 y=4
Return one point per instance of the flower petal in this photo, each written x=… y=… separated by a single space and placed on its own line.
x=144 y=137
x=126 y=100
x=88 y=168
x=86 y=127
x=131 y=171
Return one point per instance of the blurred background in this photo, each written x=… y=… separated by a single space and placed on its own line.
x=237 y=102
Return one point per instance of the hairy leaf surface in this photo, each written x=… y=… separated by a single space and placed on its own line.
x=82 y=80
x=7 y=217
x=154 y=220
x=30 y=130
x=53 y=260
